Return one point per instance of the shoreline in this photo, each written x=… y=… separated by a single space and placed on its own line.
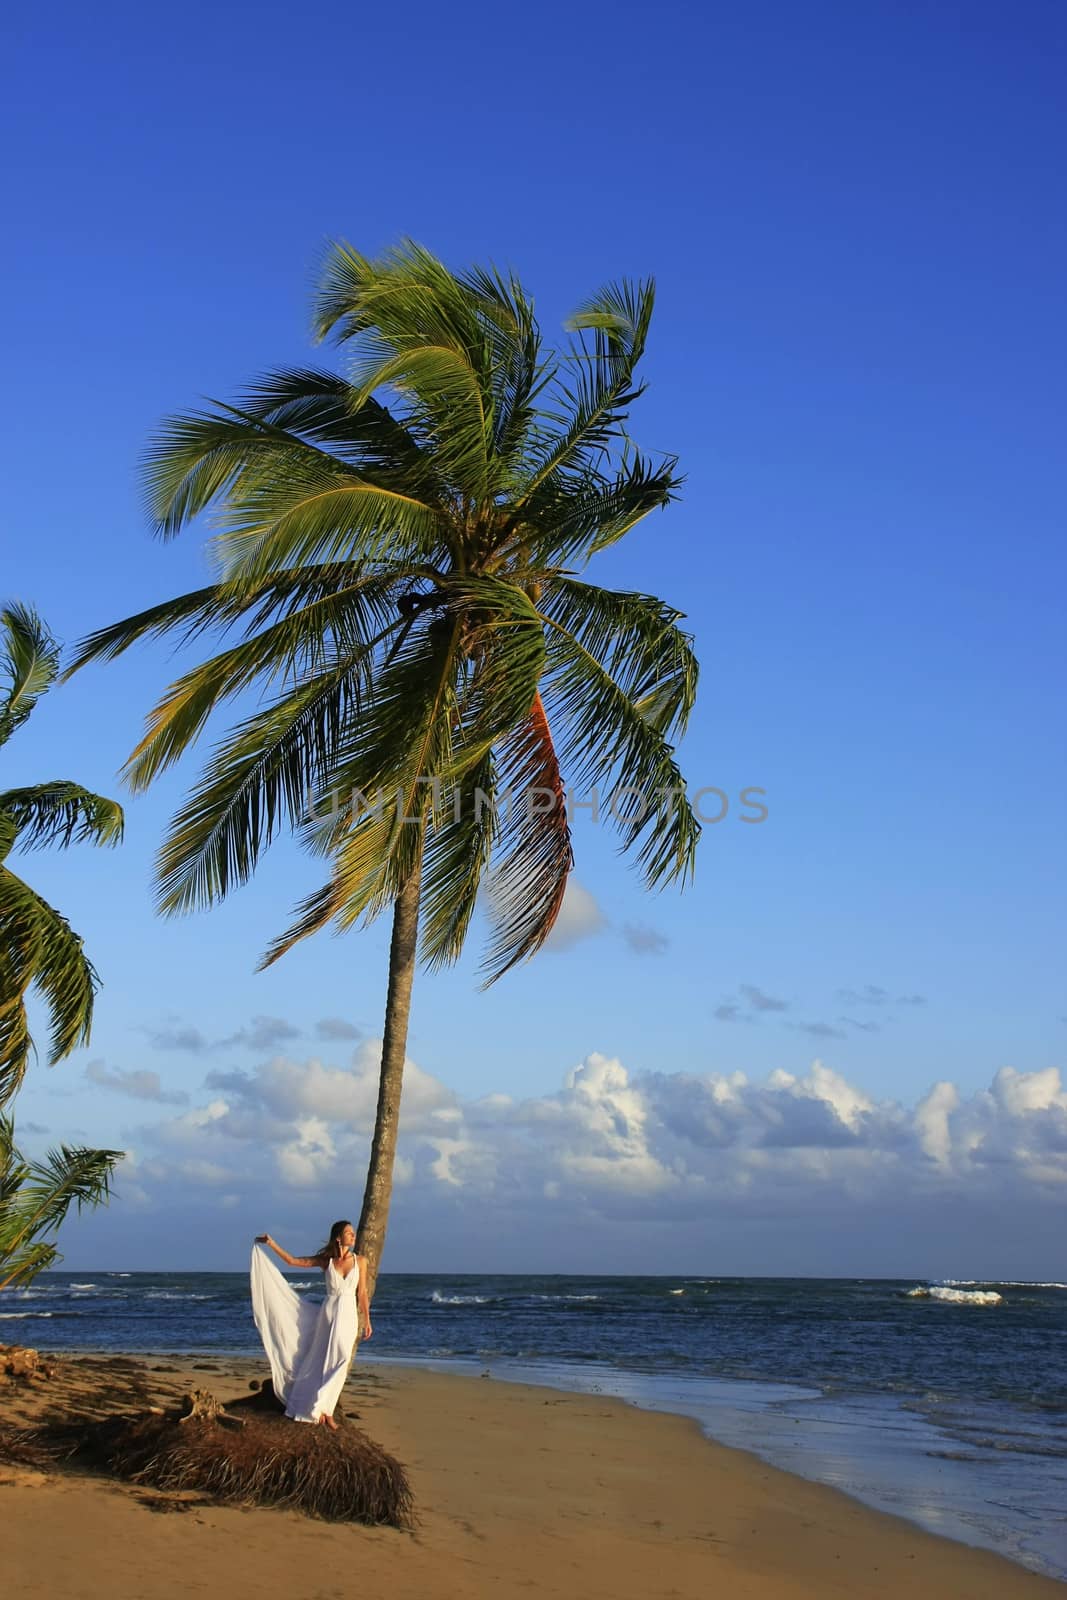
x=518 y=1488
x=872 y=1448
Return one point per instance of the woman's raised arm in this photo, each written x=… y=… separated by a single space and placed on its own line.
x=291 y=1261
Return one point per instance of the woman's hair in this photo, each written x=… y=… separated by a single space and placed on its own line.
x=335 y=1233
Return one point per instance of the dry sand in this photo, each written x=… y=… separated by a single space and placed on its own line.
x=520 y=1492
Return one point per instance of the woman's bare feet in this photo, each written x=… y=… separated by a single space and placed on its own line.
x=330 y=1423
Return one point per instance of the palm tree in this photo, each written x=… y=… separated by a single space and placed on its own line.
x=407 y=581
x=36 y=1196
x=38 y=947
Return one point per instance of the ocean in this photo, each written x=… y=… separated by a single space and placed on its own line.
x=943 y=1403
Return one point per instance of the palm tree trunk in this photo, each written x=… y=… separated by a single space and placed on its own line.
x=379 y=1189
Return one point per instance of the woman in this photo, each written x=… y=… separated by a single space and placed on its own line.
x=310 y=1346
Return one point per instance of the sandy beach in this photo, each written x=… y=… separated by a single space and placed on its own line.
x=520 y=1491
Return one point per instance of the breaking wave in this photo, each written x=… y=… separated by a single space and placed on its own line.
x=957 y=1297
x=170 y=1294
x=1007 y=1283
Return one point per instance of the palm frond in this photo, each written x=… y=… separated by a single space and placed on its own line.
x=519 y=374
x=20 y=939
x=607 y=742
x=39 y=948
x=321 y=407
x=312 y=915
x=220 y=606
x=402 y=736
x=458 y=848
x=461 y=350
x=504 y=656
x=446 y=404
x=66 y=979
x=594 y=397
x=569 y=519
x=330 y=630
x=29 y=665
x=408 y=303
x=534 y=856
x=636 y=638
x=190 y=614
x=61 y=813
x=36 y=1197
x=304 y=517
x=231 y=455
x=619 y=316
x=71 y=1175
x=259 y=779
x=19 y=1269
x=405 y=298
x=382 y=788
x=390 y=765
x=199 y=458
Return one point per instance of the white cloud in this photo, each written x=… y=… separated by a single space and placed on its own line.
x=1021 y=1092
x=282 y=1089
x=579 y=917
x=670 y=1149
x=305 y=1159
x=933 y=1122
x=604 y=1135
x=830 y=1088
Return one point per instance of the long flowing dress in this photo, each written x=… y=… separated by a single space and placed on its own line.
x=308 y=1345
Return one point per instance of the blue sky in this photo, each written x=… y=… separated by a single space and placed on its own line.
x=855 y=219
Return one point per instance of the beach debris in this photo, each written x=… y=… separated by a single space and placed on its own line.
x=203 y=1406
x=164 y=1503
x=18 y=1361
x=20 y=1447
x=270 y=1460
x=265 y=1459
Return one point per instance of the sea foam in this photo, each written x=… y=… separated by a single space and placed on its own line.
x=1008 y=1283
x=958 y=1297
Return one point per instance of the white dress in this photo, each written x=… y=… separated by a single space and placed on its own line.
x=309 y=1345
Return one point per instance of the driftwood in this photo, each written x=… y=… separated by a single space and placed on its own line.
x=203 y=1406
x=17 y=1361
